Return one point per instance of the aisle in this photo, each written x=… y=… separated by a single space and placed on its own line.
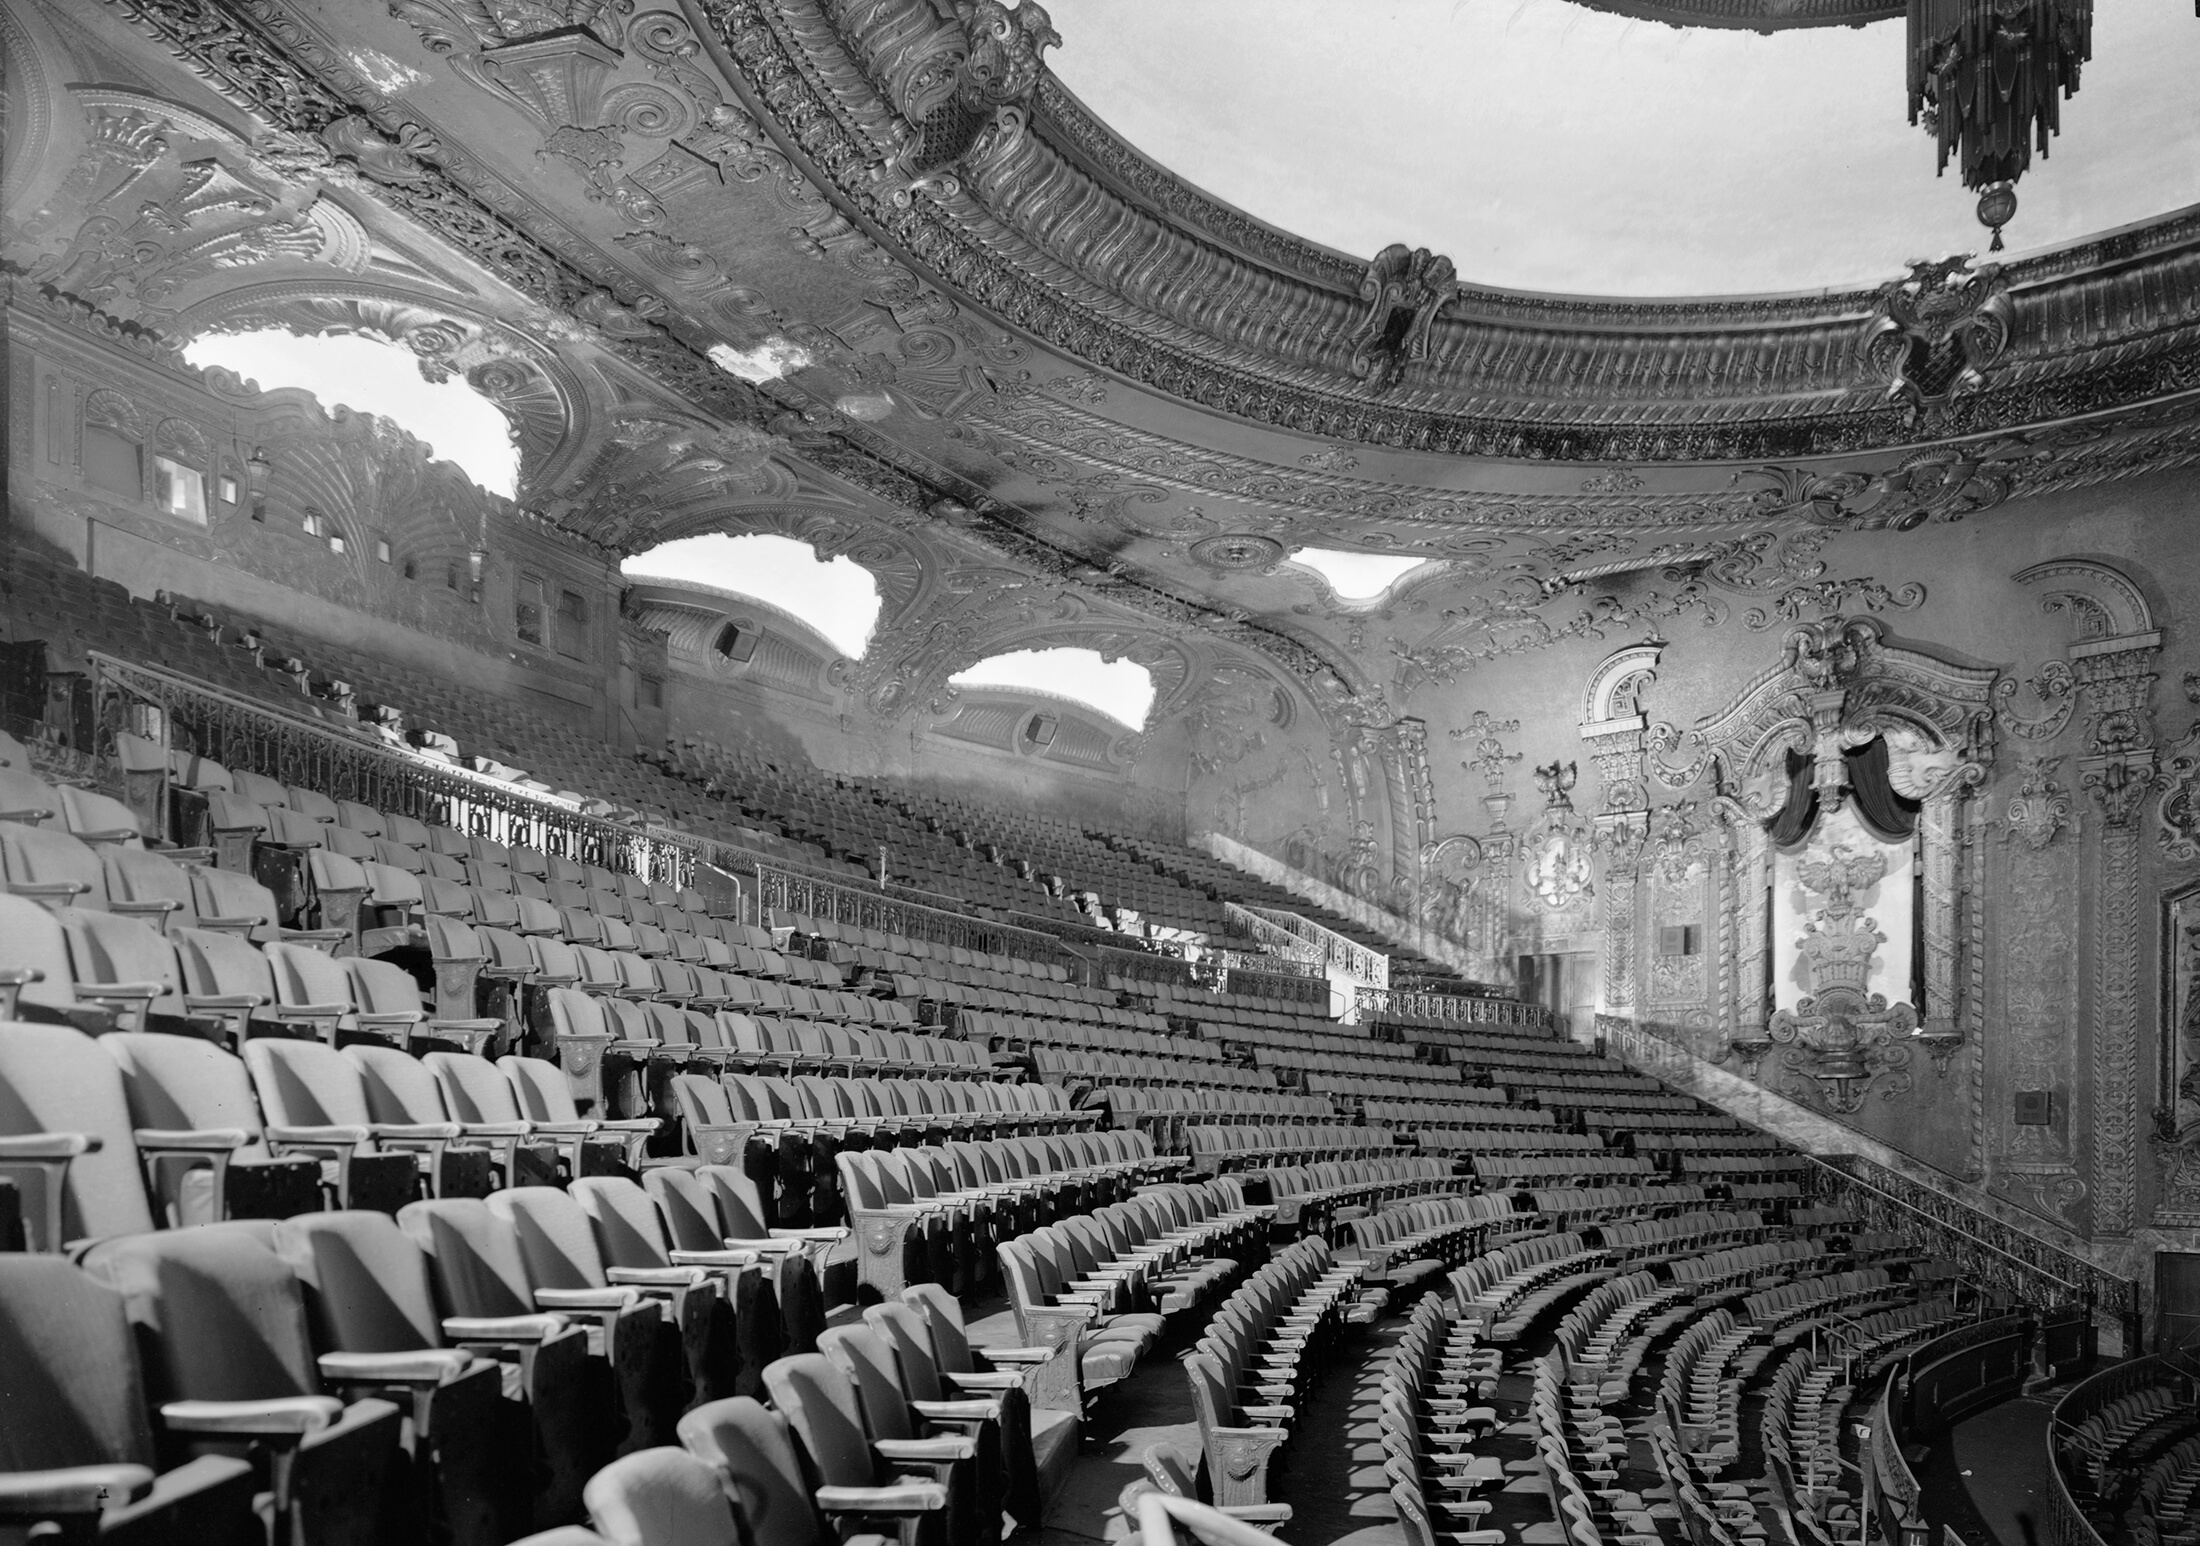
x=1333 y=1475
x=1152 y=1407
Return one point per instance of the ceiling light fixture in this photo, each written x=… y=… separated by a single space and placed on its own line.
x=1987 y=80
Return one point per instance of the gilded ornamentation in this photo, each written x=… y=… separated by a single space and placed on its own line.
x=1490 y=758
x=1842 y=1040
x=1939 y=330
x=1556 y=850
x=2177 y=834
x=1828 y=597
x=1404 y=289
x=2039 y=808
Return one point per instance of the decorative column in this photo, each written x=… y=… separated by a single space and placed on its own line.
x=2116 y=676
x=2038 y=971
x=1943 y=823
x=1615 y=731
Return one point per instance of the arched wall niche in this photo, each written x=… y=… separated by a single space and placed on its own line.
x=1836 y=685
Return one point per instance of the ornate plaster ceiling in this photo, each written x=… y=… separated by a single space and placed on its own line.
x=1048 y=391
x=1546 y=147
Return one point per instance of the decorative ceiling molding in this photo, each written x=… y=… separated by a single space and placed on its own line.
x=1753 y=15
x=330 y=116
x=1031 y=229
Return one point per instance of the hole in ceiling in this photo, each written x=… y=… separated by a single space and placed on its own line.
x=1120 y=689
x=368 y=375
x=1357 y=576
x=838 y=597
x=768 y=361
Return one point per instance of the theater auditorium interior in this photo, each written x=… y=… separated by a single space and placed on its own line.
x=795 y=772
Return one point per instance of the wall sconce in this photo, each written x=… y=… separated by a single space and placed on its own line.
x=476 y=560
x=256 y=469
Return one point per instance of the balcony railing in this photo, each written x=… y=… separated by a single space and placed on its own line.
x=1403 y=1007
x=1371 y=968
x=2067 y=1524
x=785 y=891
x=354 y=765
x=2021 y=1268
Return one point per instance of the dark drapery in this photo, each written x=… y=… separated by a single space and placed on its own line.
x=1792 y=823
x=1887 y=814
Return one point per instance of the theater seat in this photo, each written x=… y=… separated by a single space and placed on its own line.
x=81 y=1461
x=221 y=1322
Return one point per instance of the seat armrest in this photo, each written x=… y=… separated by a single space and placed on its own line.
x=923 y=1451
x=908 y=1498
x=580 y=1129
x=586 y=1298
x=773 y=1248
x=423 y=1366
x=47 y=888
x=503 y=1328
x=317 y=1135
x=655 y=1277
x=76 y=1489
x=629 y=1125
x=466 y=1025
x=223 y=1000
x=1004 y=1380
x=213 y=1140
x=414 y=1132
x=293 y=1416
x=713 y=1258
x=316 y=936
x=1032 y=1356
x=309 y=1011
x=830 y=1233
x=953 y=1410
x=498 y=1129
x=32 y=1147
x=156 y=907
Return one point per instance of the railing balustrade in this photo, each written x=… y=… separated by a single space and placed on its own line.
x=2020 y=1268
x=1399 y=1006
x=781 y=889
x=1368 y=967
x=351 y=764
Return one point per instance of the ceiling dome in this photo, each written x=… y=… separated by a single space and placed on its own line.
x=1551 y=146
x=1756 y=15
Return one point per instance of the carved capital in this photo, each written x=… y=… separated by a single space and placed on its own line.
x=2119 y=785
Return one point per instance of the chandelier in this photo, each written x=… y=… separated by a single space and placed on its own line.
x=1987 y=79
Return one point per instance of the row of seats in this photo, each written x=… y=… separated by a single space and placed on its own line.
x=1253 y=1368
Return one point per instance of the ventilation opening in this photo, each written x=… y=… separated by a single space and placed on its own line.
x=1357 y=576
x=1120 y=689
x=838 y=597
x=368 y=375
x=736 y=643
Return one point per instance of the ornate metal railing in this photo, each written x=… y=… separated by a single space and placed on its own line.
x=1273 y=937
x=781 y=890
x=2019 y=1266
x=349 y=764
x=1401 y=1007
x=2067 y=1524
x=1145 y=966
x=1266 y=965
x=1355 y=960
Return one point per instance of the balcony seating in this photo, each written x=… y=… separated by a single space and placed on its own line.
x=781 y=1498
x=82 y=1461
x=228 y=1359
x=1252 y=1369
x=826 y=1416
x=182 y=1084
